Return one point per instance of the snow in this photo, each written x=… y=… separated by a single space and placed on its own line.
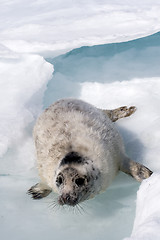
x=146 y=225
x=23 y=82
x=33 y=35
x=52 y=27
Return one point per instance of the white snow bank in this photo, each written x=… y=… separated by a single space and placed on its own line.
x=50 y=27
x=147 y=220
x=23 y=80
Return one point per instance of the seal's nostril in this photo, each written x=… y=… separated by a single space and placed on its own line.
x=67 y=197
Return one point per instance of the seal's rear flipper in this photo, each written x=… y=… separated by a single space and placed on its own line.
x=39 y=191
x=136 y=170
x=120 y=112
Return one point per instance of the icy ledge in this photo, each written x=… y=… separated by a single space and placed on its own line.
x=51 y=27
x=23 y=79
x=147 y=220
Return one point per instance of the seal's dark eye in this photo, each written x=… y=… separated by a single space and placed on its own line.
x=79 y=181
x=59 y=180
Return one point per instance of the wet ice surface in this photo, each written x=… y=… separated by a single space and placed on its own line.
x=24 y=218
x=107 y=76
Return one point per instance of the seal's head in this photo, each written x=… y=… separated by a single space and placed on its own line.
x=76 y=179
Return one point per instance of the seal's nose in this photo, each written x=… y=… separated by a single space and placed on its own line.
x=67 y=199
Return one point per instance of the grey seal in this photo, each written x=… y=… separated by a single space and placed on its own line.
x=80 y=151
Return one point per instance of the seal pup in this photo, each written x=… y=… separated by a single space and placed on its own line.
x=80 y=151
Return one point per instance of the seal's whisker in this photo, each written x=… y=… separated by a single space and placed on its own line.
x=53 y=206
x=81 y=207
x=74 y=210
x=78 y=209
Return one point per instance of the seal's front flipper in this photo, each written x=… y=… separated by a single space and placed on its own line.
x=120 y=112
x=136 y=170
x=39 y=191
